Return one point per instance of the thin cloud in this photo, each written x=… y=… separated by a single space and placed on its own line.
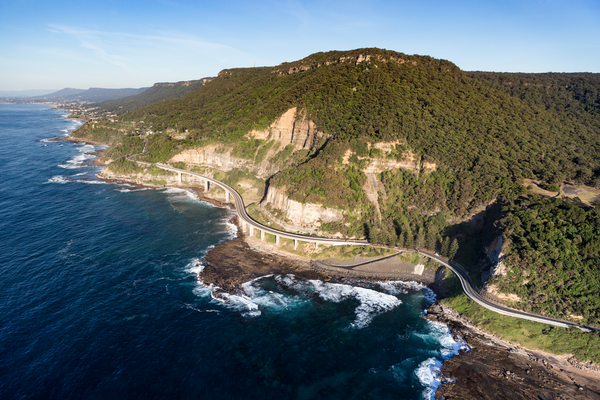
x=100 y=41
x=92 y=40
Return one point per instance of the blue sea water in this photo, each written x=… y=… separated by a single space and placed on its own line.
x=100 y=297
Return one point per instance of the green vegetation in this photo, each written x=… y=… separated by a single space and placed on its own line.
x=124 y=147
x=124 y=166
x=439 y=112
x=99 y=132
x=467 y=139
x=410 y=258
x=158 y=93
x=533 y=335
x=323 y=252
x=482 y=139
x=554 y=257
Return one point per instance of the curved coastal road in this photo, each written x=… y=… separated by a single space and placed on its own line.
x=463 y=275
x=473 y=294
x=243 y=215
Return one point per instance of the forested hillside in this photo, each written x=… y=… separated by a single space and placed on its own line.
x=436 y=110
x=482 y=138
x=457 y=143
x=573 y=99
x=553 y=257
x=91 y=94
x=159 y=92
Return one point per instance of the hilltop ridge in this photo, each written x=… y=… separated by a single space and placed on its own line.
x=402 y=149
x=159 y=92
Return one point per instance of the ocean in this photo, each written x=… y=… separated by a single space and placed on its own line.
x=101 y=297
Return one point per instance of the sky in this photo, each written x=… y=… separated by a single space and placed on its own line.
x=132 y=44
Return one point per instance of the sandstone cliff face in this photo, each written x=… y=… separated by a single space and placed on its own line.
x=221 y=159
x=346 y=59
x=301 y=214
x=495 y=253
x=379 y=164
x=291 y=128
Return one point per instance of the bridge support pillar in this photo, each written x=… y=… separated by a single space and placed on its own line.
x=179 y=177
x=251 y=230
x=206 y=185
x=316 y=245
x=277 y=240
x=226 y=196
x=295 y=244
x=262 y=236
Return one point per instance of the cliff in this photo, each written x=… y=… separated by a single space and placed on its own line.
x=292 y=128
x=301 y=215
x=221 y=158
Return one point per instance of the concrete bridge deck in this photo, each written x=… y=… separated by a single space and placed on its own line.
x=248 y=224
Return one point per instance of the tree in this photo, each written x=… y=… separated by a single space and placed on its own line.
x=453 y=249
x=401 y=240
x=445 y=246
x=430 y=239
x=409 y=239
x=420 y=238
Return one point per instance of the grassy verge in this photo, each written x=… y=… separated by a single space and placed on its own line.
x=532 y=335
x=410 y=258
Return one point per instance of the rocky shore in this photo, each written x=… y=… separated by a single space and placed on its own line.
x=491 y=369
x=497 y=369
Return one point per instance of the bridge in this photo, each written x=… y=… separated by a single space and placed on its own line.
x=249 y=225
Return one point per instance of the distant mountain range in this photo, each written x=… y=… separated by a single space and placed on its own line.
x=115 y=100
x=25 y=93
x=156 y=94
x=91 y=94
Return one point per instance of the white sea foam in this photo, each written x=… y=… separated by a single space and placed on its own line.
x=397 y=287
x=132 y=190
x=231 y=229
x=90 y=182
x=86 y=153
x=270 y=299
x=87 y=148
x=195 y=266
x=241 y=302
x=429 y=371
x=181 y=194
x=372 y=302
x=70 y=166
x=202 y=290
x=57 y=179
x=67 y=179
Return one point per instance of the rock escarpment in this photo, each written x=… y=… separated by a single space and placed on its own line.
x=293 y=133
x=221 y=158
x=298 y=213
x=294 y=128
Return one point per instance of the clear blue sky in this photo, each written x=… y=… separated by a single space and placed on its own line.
x=114 y=44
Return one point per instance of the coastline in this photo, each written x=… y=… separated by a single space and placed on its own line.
x=492 y=368
x=496 y=368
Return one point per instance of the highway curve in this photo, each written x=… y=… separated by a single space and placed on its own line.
x=465 y=280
